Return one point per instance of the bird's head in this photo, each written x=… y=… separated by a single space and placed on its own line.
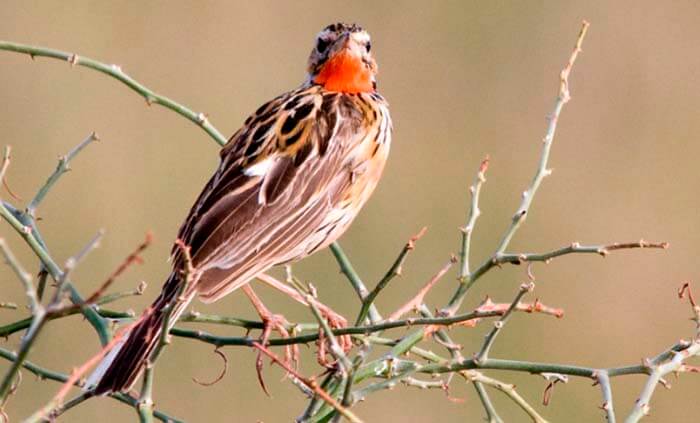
x=341 y=59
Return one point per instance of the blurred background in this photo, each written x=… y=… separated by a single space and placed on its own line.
x=464 y=79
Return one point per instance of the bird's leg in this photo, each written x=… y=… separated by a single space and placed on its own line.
x=335 y=320
x=272 y=322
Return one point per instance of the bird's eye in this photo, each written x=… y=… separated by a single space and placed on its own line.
x=368 y=46
x=322 y=45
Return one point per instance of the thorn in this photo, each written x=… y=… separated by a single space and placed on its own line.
x=646 y=409
x=201 y=118
x=312 y=290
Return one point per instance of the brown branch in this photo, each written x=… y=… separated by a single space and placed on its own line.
x=419 y=298
x=133 y=258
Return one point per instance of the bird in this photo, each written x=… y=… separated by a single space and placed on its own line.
x=289 y=183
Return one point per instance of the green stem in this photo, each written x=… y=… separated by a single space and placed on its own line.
x=354 y=278
x=498 y=325
x=33 y=239
x=221 y=341
x=394 y=270
x=62 y=167
x=529 y=194
x=46 y=374
x=491 y=414
x=38 y=322
x=474 y=213
x=19 y=325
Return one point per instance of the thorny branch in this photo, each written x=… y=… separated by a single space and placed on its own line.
x=354 y=376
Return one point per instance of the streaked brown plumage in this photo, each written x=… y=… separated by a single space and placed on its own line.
x=290 y=182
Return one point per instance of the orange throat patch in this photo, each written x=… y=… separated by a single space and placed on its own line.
x=345 y=73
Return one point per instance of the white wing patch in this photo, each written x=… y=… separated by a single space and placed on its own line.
x=260 y=168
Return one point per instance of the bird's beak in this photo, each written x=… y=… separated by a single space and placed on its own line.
x=348 y=46
x=345 y=41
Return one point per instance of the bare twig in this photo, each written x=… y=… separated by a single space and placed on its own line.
x=542 y=171
x=132 y=258
x=394 y=270
x=657 y=368
x=576 y=248
x=498 y=325
x=62 y=167
x=604 y=381
x=71 y=263
x=357 y=284
x=24 y=277
x=508 y=390
x=491 y=414
x=6 y=155
x=420 y=297
x=474 y=213
x=39 y=313
x=25 y=228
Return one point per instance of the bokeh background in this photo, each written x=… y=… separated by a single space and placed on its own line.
x=464 y=79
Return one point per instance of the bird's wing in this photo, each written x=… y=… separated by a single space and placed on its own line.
x=279 y=180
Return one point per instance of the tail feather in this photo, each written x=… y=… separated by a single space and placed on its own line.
x=121 y=367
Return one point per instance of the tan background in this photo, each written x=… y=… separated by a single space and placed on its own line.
x=464 y=79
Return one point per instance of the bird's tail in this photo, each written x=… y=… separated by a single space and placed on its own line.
x=123 y=364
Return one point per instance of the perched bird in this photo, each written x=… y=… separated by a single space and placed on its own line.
x=290 y=182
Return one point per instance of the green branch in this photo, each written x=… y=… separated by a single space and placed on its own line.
x=394 y=270
x=528 y=196
x=30 y=234
x=354 y=279
x=221 y=341
x=62 y=167
x=46 y=374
